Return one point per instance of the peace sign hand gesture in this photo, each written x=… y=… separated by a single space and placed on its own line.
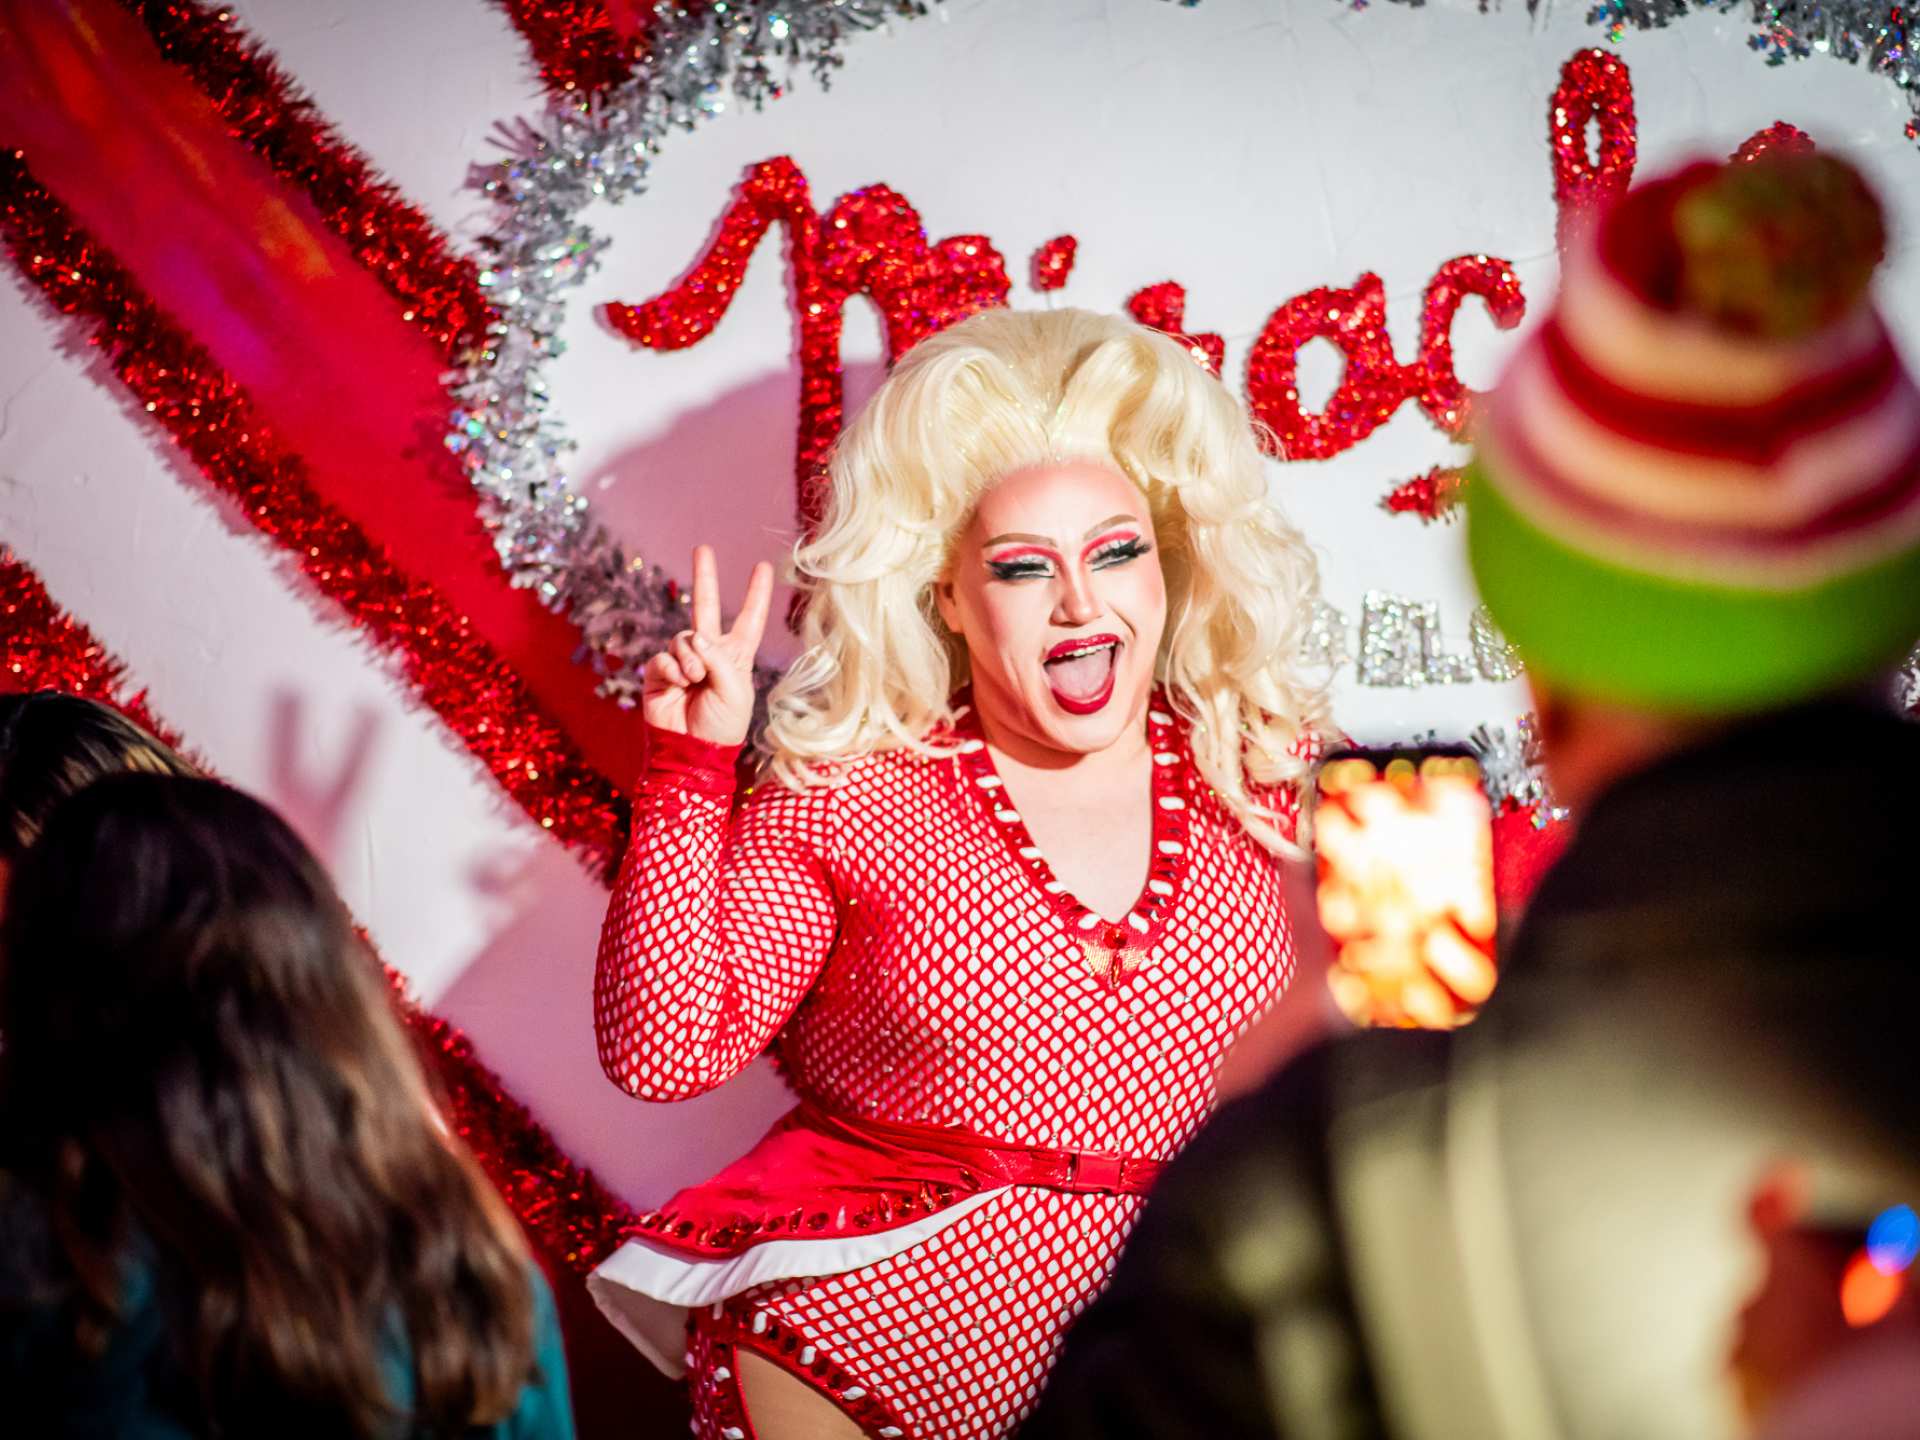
x=702 y=683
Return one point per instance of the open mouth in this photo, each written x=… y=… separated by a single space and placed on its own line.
x=1080 y=672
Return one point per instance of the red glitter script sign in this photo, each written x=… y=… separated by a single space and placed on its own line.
x=872 y=242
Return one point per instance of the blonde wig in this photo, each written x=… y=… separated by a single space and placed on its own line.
x=1000 y=392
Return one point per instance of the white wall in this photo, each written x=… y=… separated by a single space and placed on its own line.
x=1249 y=150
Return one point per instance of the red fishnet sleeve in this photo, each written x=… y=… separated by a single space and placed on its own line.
x=719 y=923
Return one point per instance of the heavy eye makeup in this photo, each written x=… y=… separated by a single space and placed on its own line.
x=1022 y=565
x=1035 y=564
x=1116 y=550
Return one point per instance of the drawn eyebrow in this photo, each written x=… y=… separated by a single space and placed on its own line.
x=1024 y=538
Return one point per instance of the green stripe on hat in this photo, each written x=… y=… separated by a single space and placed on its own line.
x=1620 y=635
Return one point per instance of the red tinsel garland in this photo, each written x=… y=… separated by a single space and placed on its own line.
x=448 y=664
x=269 y=114
x=581 y=45
x=44 y=648
x=574 y=1219
x=567 y=1212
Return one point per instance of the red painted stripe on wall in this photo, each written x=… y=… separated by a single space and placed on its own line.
x=440 y=652
x=261 y=106
x=246 y=270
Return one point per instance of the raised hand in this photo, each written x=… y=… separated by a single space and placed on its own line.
x=702 y=683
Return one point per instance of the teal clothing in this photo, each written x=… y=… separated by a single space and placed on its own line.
x=545 y=1411
x=135 y=1390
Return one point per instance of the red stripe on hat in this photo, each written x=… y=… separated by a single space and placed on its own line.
x=1885 y=498
x=1752 y=434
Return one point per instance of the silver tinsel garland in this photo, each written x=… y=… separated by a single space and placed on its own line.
x=1510 y=765
x=1860 y=32
x=1872 y=33
x=1511 y=769
x=702 y=59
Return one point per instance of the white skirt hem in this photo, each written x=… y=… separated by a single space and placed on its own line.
x=645 y=1290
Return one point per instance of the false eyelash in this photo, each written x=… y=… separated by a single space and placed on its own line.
x=1120 y=552
x=1019 y=569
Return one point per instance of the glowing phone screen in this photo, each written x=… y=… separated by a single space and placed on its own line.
x=1404 y=847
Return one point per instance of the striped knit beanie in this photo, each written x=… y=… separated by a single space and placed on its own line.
x=1698 y=484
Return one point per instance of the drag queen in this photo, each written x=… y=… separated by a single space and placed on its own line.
x=1006 y=889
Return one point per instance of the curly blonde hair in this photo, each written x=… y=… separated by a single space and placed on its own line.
x=1000 y=392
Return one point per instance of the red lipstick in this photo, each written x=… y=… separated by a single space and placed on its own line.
x=1080 y=672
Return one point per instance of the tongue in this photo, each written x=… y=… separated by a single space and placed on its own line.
x=1082 y=677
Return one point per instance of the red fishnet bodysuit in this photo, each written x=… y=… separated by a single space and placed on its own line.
x=889 y=939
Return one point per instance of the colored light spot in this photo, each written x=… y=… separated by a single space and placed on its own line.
x=1893 y=1239
x=1867 y=1293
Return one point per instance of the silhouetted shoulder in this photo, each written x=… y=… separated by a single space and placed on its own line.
x=1275 y=1138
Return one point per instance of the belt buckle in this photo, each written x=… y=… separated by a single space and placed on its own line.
x=1096 y=1171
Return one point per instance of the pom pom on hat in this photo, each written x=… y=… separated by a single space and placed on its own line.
x=1698 y=483
x=1780 y=247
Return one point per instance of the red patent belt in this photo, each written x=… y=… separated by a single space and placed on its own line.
x=821 y=1175
x=992 y=1162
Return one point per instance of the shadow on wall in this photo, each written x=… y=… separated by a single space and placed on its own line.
x=721 y=474
x=527 y=1000
x=316 y=797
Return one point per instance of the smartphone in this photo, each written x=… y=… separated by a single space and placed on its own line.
x=1403 y=845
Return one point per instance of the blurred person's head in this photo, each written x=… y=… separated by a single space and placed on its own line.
x=205 y=1083
x=52 y=744
x=1697 y=494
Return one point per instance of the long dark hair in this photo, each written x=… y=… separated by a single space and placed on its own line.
x=203 y=1073
x=52 y=744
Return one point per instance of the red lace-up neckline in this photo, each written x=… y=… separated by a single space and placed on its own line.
x=1134 y=933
